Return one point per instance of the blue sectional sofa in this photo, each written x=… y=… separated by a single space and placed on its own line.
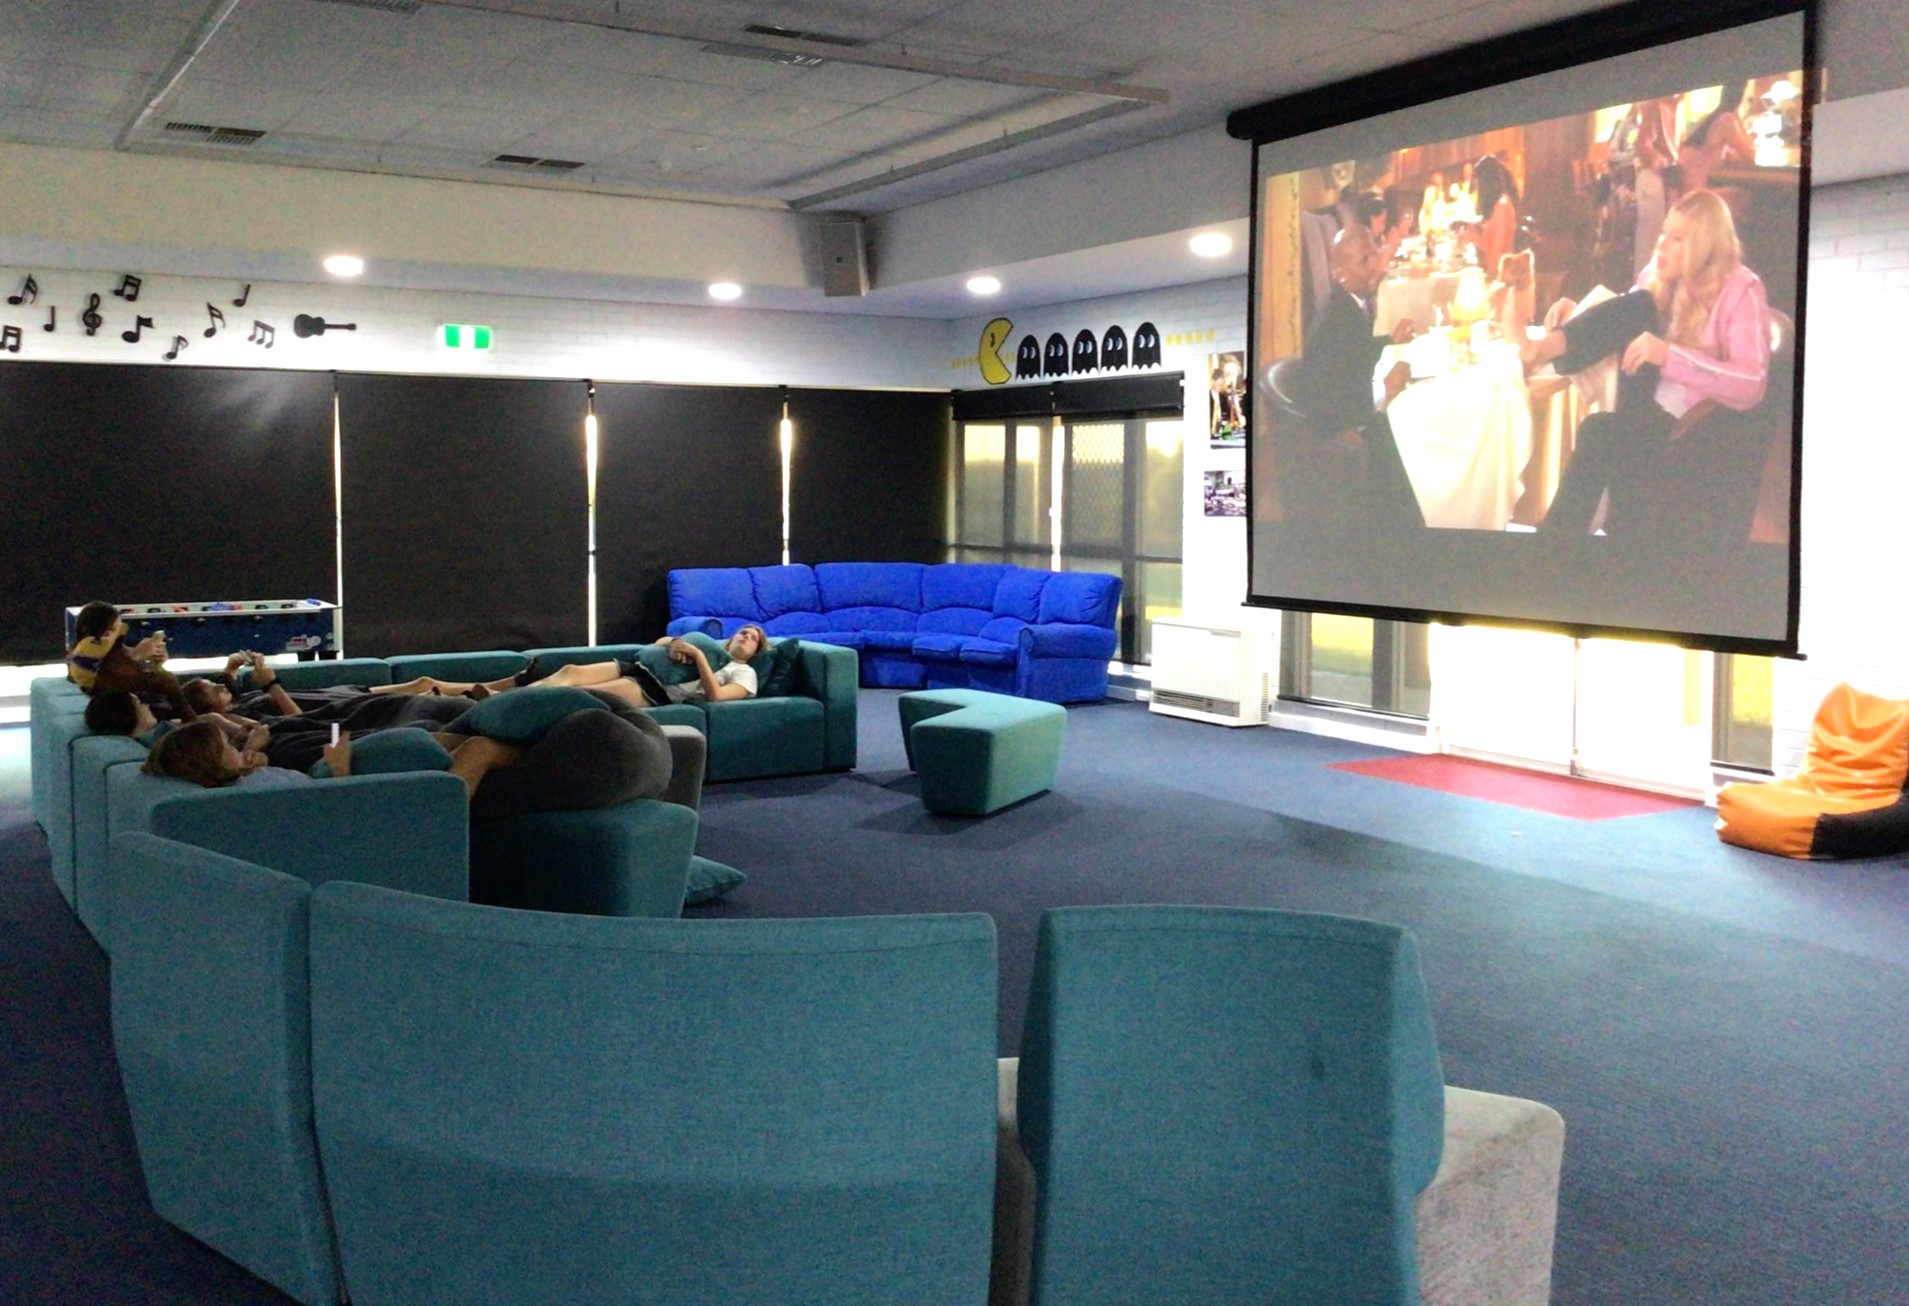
x=953 y=625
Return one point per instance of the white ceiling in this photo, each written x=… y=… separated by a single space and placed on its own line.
x=627 y=90
x=936 y=98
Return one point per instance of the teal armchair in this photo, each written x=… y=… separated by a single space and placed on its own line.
x=534 y=1108
x=1224 y=1105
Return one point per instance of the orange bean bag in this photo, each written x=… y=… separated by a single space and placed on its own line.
x=1846 y=801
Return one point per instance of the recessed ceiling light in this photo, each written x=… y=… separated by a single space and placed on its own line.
x=725 y=290
x=1211 y=244
x=983 y=285
x=344 y=265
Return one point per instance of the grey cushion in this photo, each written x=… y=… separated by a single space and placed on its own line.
x=588 y=759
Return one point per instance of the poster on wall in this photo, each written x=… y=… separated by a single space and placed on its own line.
x=1226 y=492
x=1226 y=399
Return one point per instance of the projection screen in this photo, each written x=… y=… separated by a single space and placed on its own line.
x=1530 y=353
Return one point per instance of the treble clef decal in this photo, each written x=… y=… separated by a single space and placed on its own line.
x=91 y=316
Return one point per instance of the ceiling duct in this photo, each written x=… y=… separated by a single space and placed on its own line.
x=217 y=135
x=787 y=57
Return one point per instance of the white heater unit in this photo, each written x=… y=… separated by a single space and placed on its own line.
x=1209 y=673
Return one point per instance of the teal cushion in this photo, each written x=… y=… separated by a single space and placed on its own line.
x=406 y=748
x=775 y=669
x=520 y=716
x=656 y=659
x=709 y=881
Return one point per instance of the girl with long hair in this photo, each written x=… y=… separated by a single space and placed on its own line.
x=1691 y=338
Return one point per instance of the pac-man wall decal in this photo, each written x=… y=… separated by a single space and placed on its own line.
x=993 y=336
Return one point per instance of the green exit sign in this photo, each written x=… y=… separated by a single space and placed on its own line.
x=456 y=336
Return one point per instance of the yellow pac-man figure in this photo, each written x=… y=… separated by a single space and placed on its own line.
x=993 y=336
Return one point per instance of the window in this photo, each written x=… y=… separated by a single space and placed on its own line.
x=1121 y=487
x=1741 y=712
x=1357 y=662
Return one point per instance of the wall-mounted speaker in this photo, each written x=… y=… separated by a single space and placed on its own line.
x=844 y=258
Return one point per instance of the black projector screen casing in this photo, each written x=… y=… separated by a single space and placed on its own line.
x=1551 y=100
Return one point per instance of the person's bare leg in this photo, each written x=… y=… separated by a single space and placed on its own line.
x=624 y=688
x=423 y=685
x=474 y=756
x=578 y=675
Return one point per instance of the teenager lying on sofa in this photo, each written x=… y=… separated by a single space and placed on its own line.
x=202 y=753
x=686 y=668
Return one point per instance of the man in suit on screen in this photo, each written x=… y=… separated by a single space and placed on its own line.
x=1335 y=385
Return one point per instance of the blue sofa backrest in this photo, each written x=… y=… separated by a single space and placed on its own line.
x=957 y=598
x=782 y=593
x=726 y=592
x=1018 y=595
x=870 y=595
x=1084 y=598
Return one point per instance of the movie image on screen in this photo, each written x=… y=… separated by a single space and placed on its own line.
x=1541 y=367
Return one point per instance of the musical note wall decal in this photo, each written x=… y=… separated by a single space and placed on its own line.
x=243 y=296
x=178 y=343
x=10 y=340
x=52 y=315
x=217 y=316
x=29 y=292
x=128 y=287
x=263 y=333
x=139 y=324
x=91 y=316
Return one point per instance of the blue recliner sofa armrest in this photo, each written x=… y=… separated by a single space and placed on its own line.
x=1061 y=639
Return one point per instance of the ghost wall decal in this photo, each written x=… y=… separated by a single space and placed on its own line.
x=1146 y=345
x=1055 y=362
x=1086 y=352
x=1027 y=359
x=1113 y=348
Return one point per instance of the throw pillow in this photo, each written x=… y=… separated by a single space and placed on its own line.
x=656 y=660
x=775 y=668
x=521 y=716
x=587 y=760
x=709 y=881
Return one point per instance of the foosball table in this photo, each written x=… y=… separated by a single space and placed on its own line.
x=307 y=627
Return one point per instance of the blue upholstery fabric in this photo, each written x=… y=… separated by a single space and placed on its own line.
x=212 y=1024
x=1227 y=1105
x=1083 y=598
x=709 y=881
x=713 y=592
x=1019 y=594
x=780 y=590
x=961 y=585
x=885 y=610
x=520 y=1106
x=895 y=585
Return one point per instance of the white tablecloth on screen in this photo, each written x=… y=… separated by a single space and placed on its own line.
x=1465 y=438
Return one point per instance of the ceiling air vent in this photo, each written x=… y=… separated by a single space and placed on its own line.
x=217 y=135
x=387 y=6
x=792 y=58
x=526 y=161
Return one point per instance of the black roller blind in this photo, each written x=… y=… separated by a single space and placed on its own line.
x=466 y=513
x=687 y=476
x=158 y=484
x=869 y=480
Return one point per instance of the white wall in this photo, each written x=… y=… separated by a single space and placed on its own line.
x=398 y=332
x=1194 y=322
x=1855 y=626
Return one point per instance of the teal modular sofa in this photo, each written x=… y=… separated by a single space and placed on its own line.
x=954 y=625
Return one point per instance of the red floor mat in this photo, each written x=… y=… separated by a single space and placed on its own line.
x=1585 y=800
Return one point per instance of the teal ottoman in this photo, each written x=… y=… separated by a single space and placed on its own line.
x=977 y=752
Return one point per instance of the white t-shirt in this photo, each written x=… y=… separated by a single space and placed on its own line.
x=732 y=673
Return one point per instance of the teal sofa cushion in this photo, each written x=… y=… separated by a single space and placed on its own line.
x=775 y=669
x=709 y=881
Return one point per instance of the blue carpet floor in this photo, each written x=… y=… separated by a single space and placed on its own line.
x=1720 y=1030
